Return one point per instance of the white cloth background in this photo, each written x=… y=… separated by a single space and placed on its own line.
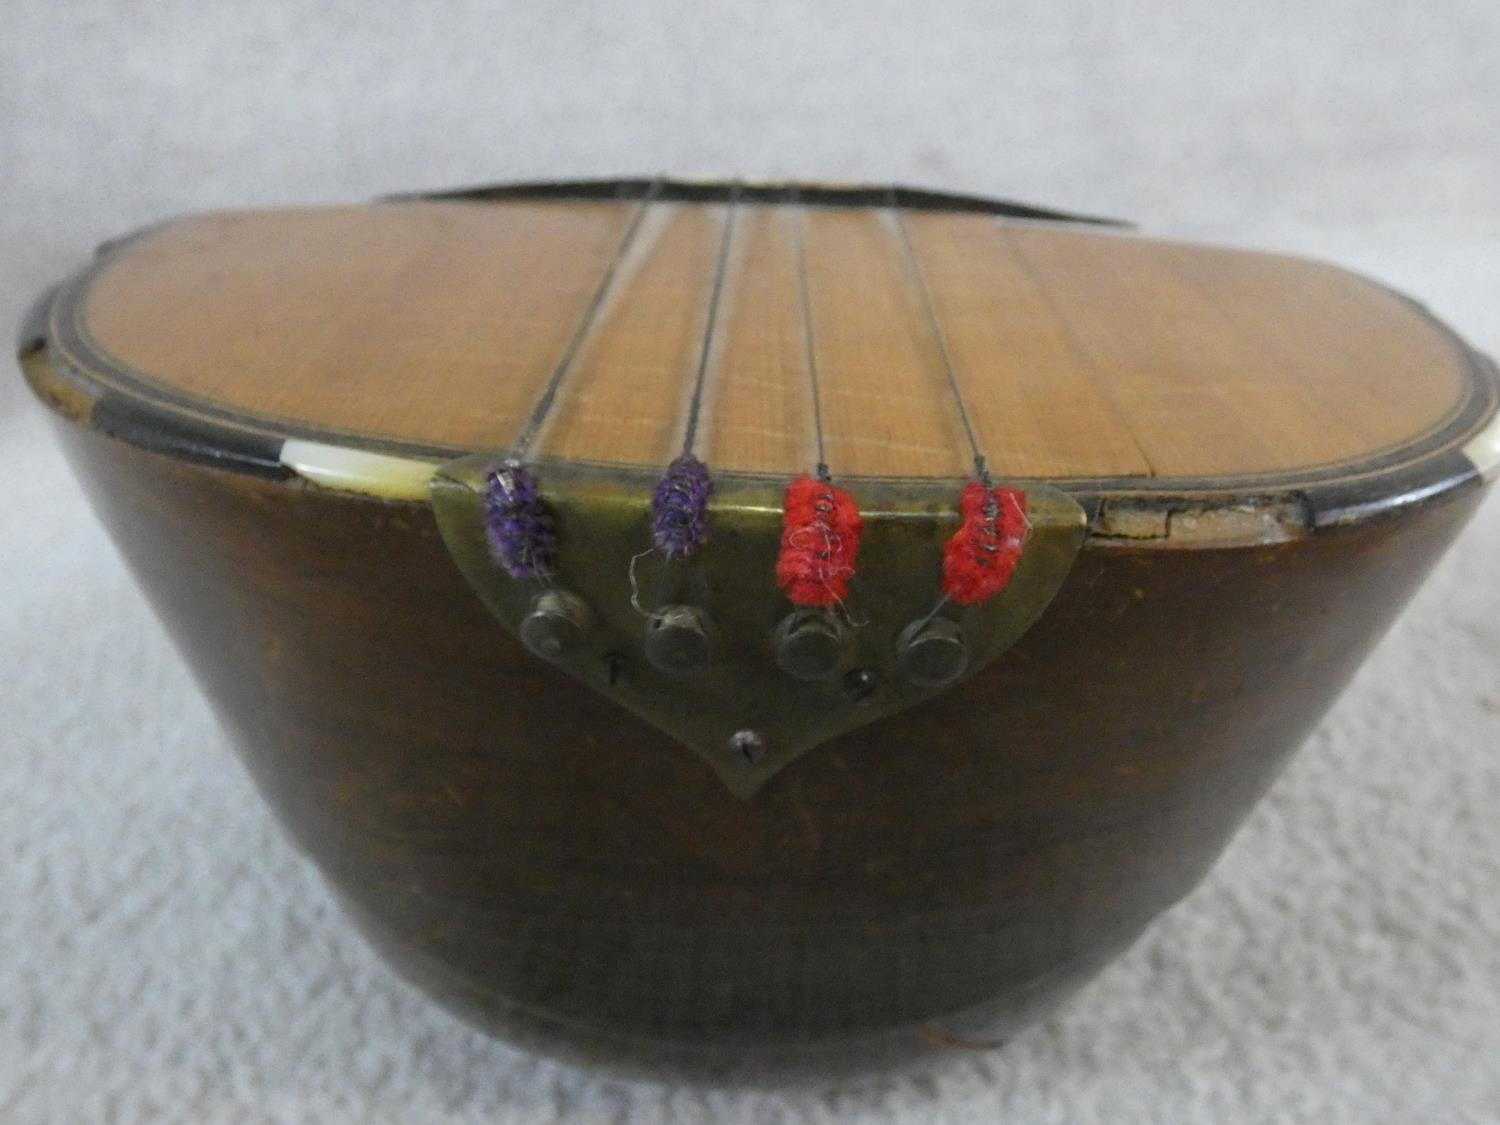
x=165 y=957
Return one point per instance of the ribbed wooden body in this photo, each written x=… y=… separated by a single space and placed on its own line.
x=565 y=875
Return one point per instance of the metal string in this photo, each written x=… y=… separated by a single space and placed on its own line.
x=720 y=270
x=543 y=405
x=804 y=297
x=679 y=502
x=807 y=338
x=981 y=468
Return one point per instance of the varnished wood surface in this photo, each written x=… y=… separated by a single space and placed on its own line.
x=1078 y=354
x=561 y=872
x=442 y=320
x=759 y=415
x=1037 y=399
x=647 y=336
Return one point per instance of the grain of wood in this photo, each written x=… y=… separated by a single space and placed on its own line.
x=1037 y=408
x=758 y=403
x=1172 y=356
x=1358 y=356
x=435 y=322
x=887 y=408
x=1078 y=354
x=625 y=398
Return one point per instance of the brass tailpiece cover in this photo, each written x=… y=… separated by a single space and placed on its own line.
x=698 y=647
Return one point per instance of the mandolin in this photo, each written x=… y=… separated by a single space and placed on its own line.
x=735 y=623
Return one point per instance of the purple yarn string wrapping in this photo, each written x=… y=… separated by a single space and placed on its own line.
x=679 y=507
x=518 y=524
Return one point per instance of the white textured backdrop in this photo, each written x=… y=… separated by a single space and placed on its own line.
x=165 y=957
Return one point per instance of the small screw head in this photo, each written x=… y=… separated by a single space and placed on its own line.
x=616 y=669
x=932 y=652
x=679 y=640
x=809 y=644
x=860 y=684
x=748 y=746
x=556 y=625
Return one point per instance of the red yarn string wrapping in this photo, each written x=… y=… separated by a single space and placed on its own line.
x=982 y=554
x=819 y=537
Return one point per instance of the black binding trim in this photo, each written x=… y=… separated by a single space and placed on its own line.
x=713 y=191
x=31 y=333
x=143 y=424
x=1333 y=505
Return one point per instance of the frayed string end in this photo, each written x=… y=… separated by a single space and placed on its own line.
x=518 y=525
x=982 y=555
x=819 y=540
x=679 y=507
